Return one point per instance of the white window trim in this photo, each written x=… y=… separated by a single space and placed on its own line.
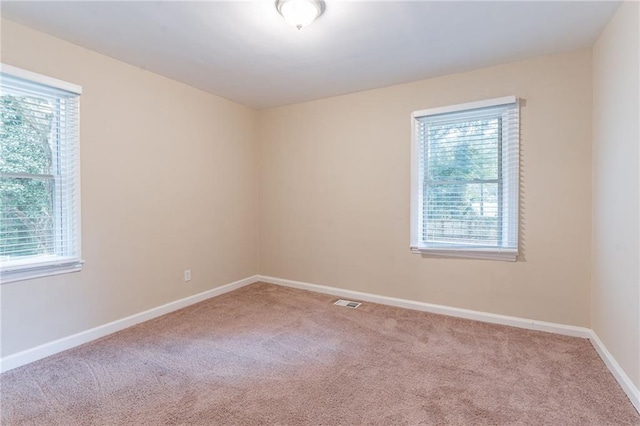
x=416 y=196
x=41 y=79
x=20 y=271
x=44 y=266
x=483 y=253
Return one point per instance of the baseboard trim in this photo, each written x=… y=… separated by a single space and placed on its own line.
x=567 y=330
x=618 y=373
x=30 y=355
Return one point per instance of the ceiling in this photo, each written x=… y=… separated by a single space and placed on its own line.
x=244 y=51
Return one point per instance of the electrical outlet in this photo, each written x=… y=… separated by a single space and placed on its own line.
x=187 y=275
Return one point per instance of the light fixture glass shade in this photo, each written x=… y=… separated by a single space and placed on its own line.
x=300 y=13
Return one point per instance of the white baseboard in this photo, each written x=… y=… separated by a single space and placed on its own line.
x=567 y=330
x=623 y=379
x=30 y=355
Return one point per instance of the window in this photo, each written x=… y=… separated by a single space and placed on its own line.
x=464 y=200
x=39 y=176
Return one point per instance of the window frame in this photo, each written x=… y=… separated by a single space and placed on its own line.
x=54 y=264
x=510 y=189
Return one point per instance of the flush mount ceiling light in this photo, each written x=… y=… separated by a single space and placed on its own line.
x=300 y=13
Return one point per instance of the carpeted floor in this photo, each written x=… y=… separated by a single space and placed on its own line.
x=272 y=355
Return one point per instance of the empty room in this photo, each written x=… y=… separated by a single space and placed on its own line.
x=320 y=212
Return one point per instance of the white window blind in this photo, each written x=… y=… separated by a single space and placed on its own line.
x=39 y=176
x=465 y=180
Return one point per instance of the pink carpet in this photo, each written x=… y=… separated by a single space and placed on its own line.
x=271 y=355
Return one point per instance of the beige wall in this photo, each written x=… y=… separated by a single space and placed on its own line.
x=616 y=189
x=171 y=175
x=334 y=193
x=168 y=183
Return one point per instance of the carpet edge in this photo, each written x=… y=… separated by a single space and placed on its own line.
x=618 y=373
x=30 y=355
x=530 y=324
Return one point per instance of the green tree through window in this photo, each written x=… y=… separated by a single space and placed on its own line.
x=461 y=187
x=26 y=185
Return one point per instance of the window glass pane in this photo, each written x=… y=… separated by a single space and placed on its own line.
x=466 y=150
x=39 y=198
x=462 y=213
x=25 y=135
x=465 y=180
x=26 y=221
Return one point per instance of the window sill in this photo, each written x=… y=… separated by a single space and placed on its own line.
x=38 y=270
x=509 y=255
